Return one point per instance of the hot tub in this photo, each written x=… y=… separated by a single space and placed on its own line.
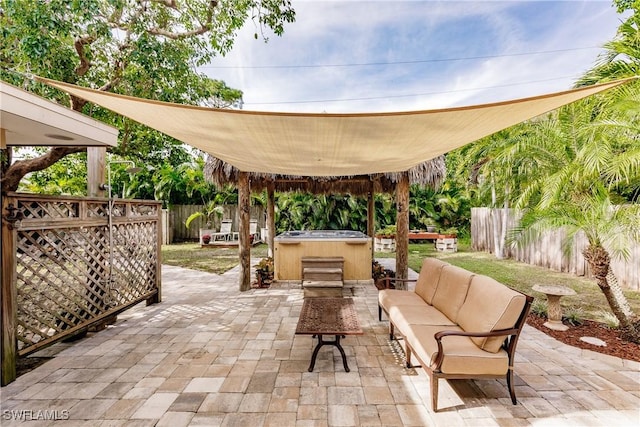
x=354 y=246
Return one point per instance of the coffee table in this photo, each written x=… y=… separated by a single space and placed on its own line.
x=328 y=316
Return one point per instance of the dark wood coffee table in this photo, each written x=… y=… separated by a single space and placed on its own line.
x=328 y=316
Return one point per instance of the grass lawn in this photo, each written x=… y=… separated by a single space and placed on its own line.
x=589 y=303
x=211 y=260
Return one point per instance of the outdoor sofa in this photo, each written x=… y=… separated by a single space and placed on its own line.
x=457 y=324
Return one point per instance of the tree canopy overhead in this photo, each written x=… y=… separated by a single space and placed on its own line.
x=144 y=48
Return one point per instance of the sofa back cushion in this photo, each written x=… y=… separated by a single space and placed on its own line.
x=452 y=290
x=428 y=278
x=490 y=306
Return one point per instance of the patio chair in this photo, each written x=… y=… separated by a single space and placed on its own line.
x=225 y=231
x=253 y=230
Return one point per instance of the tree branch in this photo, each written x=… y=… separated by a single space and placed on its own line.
x=20 y=168
x=204 y=27
x=84 y=65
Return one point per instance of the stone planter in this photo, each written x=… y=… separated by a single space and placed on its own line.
x=384 y=244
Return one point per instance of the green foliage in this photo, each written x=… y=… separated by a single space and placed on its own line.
x=210 y=212
x=623 y=5
x=265 y=271
x=145 y=49
x=66 y=177
x=185 y=184
x=300 y=211
x=609 y=319
x=539 y=307
x=387 y=231
x=574 y=316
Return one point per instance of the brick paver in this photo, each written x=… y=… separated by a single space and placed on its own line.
x=211 y=355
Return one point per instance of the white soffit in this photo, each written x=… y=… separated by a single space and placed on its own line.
x=29 y=120
x=328 y=144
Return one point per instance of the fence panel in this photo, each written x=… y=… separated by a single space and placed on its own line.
x=180 y=213
x=548 y=251
x=73 y=267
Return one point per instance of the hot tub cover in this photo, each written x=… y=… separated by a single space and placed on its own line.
x=328 y=144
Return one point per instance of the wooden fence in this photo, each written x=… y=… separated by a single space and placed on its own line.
x=175 y=217
x=548 y=251
x=67 y=265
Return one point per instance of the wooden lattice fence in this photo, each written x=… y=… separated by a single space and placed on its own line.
x=63 y=272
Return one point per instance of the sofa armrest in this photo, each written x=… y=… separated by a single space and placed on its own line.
x=386 y=281
x=437 y=363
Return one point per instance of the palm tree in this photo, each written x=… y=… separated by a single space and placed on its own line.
x=622 y=56
x=498 y=172
x=584 y=160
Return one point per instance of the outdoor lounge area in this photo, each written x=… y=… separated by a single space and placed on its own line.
x=209 y=354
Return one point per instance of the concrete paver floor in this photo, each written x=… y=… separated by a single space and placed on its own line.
x=209 y=355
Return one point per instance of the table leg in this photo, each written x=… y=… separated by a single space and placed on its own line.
x=322 y=342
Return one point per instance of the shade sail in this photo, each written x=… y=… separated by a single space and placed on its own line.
x=328 y=144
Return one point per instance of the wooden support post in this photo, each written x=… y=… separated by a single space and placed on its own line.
x=402 y=226
x=371 y=219
x=271 y=216
x=244 y=246
x=9 y=343
x=158 y=267
x=95 y=171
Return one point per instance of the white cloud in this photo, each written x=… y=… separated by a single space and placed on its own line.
x=348 y=32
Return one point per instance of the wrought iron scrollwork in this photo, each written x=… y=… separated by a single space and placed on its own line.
x=13 y=215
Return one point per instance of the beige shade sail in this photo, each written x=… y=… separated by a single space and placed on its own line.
x=328 y=144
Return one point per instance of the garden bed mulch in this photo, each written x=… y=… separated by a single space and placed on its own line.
x=615 y=345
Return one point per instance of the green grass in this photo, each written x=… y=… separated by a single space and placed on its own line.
x=589 y=299
x=517 y=275
x=211 y=260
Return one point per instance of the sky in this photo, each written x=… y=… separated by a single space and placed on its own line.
x=385 y=56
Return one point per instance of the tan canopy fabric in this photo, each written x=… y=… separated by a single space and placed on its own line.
x=328 y=144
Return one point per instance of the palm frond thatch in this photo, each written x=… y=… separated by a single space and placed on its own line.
x=430 y=173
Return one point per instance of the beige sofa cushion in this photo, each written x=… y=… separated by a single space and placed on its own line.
x=489 y=306
x=462 y=356
x=404 y=315
x=452 y=290
x=388 y=298
x=428 y=278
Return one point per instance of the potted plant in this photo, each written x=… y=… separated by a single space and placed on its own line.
x=449 y=233
x=379 y=274
x=209 y=212
x=388 y=232
x=385 y=239
x=264 y=272
x=430 y=224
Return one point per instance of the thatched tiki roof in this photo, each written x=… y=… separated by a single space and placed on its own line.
x=430 y=173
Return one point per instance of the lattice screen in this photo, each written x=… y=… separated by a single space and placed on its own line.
x=70 y=273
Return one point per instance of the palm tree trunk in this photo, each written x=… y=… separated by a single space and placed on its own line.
x=600 y=262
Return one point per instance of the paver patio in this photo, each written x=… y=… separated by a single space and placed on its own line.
x=211 y=355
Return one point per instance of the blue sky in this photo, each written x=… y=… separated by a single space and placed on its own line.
x=416 y=54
